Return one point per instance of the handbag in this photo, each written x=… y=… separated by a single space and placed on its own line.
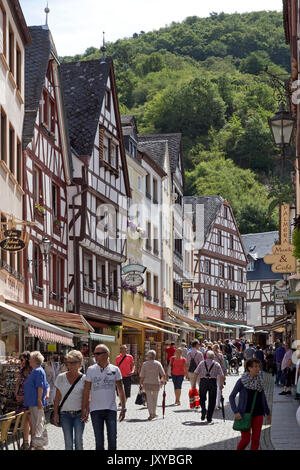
x=140 y=399
x=244 y=424
x=62 y=403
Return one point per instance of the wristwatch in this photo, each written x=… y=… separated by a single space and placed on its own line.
x=123 y=410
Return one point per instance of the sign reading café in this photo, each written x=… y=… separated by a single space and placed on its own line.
x=282 y=259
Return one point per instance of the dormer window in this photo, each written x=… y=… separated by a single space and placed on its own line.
x=132 y=149
x=251 y=266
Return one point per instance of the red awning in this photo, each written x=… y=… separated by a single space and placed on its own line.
x=49 y=336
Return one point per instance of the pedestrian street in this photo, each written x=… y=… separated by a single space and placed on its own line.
x=181 y=429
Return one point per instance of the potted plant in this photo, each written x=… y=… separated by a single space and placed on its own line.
x=39 y=208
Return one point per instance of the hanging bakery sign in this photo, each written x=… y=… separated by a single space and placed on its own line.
x=12 y=239
x=282 y=259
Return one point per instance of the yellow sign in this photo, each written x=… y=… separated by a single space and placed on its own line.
x=282 y=259
x=51 y=347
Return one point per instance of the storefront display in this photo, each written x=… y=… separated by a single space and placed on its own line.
x=9 y=371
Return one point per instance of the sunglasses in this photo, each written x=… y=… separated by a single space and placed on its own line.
x=77 y=362
x=99 y=353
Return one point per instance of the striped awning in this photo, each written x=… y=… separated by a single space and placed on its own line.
x=36 y=327
x=56 y=317
x=49 y=336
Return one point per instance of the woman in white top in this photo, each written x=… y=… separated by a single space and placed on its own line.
x=70 y=413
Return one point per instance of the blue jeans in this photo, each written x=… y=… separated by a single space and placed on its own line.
x=70 y=423
x=109 y=417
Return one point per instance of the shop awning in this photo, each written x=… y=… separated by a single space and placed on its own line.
x=102 y=338
x=227 y=325
x=56 y=317
x=131 y=322
x=163 y=322
x=211 y=328
x=39 y=328
x=189 y=321
x=177 y=326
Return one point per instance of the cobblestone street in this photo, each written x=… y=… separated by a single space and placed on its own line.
x=177 y=430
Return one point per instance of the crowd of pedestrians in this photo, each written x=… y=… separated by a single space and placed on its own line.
x=80 y=394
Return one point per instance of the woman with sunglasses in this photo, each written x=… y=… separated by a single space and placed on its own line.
x=69 y=414
x=19 y=393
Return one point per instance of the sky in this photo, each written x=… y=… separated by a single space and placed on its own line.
x=78 y=24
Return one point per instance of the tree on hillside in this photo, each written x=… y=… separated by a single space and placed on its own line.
x=240 y=187
x=192 y=108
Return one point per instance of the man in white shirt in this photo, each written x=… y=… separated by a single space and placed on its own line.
x=99 y=398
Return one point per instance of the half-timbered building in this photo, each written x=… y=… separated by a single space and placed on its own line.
x=262 y=309
x=47 y=172
x=219 y=266
x=97 y=200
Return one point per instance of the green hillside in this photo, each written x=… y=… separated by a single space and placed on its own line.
x=205 y=77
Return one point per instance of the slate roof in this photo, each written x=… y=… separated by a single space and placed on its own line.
x=155 y=150
x=84 y=85
x=36 y=64
x=174 y=144
x=212 y=206
x=259 y=244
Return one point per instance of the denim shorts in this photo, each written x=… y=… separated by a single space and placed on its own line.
x=177 y=381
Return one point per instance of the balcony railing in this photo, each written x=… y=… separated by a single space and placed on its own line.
x=221 y=314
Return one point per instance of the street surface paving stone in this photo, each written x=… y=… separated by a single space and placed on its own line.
x=181 y=429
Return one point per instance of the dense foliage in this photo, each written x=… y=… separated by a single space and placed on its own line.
x=205 y=77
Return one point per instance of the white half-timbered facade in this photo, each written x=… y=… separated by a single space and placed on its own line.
x=47 y=172
x=97 y=200
x=262 y=309
x=220 y=286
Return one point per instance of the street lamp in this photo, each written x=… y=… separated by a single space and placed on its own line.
x=45 y=246
x=282 y=126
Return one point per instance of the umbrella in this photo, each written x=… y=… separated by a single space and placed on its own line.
x=223 y=409
x=164 y=401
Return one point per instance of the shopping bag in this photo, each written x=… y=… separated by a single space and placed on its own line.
x=192 y=398
x=141 y=398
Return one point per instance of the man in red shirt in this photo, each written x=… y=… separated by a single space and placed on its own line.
x=125 y=363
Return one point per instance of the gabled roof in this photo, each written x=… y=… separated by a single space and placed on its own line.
x=174 y=145
x=36 y=64
x=155 y=150
x=84 y=85
x=212 y=206
x=257 y=245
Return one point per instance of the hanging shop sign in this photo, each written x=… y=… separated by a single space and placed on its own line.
x=280 y=295
x=13 y=240
x=134 y=280
x=282 y=259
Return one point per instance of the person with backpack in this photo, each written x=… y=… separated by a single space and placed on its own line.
x=194 y=357
x=208 y=371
